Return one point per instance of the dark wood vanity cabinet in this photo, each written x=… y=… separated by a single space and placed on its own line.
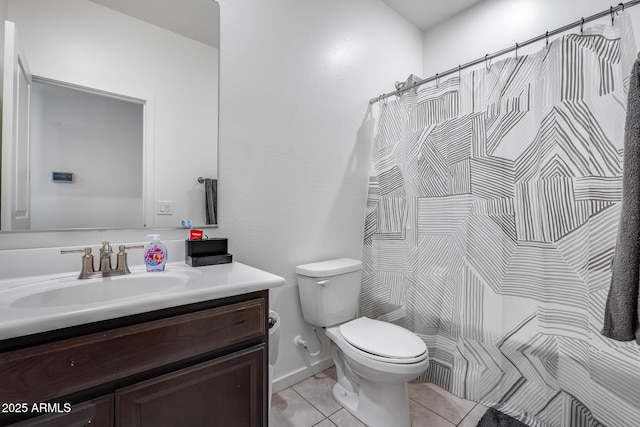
x=199 y=365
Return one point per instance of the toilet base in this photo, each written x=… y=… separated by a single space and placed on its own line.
x=375 y=392
x=377 y=405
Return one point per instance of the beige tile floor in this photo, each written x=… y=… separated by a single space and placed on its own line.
x=310 y=403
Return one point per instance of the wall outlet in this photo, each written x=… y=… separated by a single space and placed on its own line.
x=164 y=207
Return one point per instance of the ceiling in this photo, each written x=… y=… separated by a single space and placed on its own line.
x=195 y=19
x=192 y=22
x=426 y=13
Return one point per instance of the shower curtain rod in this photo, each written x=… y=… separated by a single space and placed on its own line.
x=488 y=57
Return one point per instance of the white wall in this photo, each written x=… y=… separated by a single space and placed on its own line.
x=99 y=140
x=81 y=42
x=493 y=25
x=296 y=78
x=3 y=15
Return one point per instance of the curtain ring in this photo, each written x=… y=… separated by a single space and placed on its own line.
x=582 y=27
x=459 y=72
x=516 y=50
x=612 y=16
x=487 y=65
x=546 y=37
x=437 y=79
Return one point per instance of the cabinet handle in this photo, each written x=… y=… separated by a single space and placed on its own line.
x=322 y=282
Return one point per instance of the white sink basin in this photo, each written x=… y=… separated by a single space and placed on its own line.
x=67 y=291
x=34 y=304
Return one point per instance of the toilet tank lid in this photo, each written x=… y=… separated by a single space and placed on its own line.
x=329 y=268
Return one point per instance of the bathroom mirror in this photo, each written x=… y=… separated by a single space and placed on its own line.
x=161 y=55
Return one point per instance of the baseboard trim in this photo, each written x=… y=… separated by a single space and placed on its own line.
x=295 y=377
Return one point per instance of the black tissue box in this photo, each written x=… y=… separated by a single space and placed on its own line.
x=198 y=253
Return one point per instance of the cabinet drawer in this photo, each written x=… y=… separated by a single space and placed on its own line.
x=42 y=372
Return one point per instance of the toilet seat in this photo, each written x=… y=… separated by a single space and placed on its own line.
x=383 y=341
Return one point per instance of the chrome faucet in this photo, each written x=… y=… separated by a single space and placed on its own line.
x=105 y=269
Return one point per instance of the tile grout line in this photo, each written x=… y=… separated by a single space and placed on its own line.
x=447 y=397
x=435 y=413
x=326 y=417
x=467 y=414
x=311 y=404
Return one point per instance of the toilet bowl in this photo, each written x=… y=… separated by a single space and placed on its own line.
x=374 y=359
x=373 y=386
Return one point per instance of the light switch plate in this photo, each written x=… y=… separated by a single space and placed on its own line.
x=164 y=207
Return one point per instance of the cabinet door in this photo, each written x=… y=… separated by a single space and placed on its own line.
x=229 y=391
x=95 y=413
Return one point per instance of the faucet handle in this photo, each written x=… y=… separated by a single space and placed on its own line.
x=87 y=261
x=121 y=257
x=86 y=251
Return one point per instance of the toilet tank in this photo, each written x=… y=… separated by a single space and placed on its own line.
x=329 y=291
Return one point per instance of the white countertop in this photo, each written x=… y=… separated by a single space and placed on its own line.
x=36 y=304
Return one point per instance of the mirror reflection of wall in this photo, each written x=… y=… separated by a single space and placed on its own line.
x=97 y=140
x=86 y=44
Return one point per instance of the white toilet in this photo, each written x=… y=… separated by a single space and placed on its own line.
x=374 y=360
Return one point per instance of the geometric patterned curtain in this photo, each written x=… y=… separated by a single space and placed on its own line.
x=494 y=201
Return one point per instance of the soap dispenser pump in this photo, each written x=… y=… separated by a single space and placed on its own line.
x=155 y=254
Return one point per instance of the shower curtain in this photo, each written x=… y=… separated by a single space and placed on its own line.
x=491 y=219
